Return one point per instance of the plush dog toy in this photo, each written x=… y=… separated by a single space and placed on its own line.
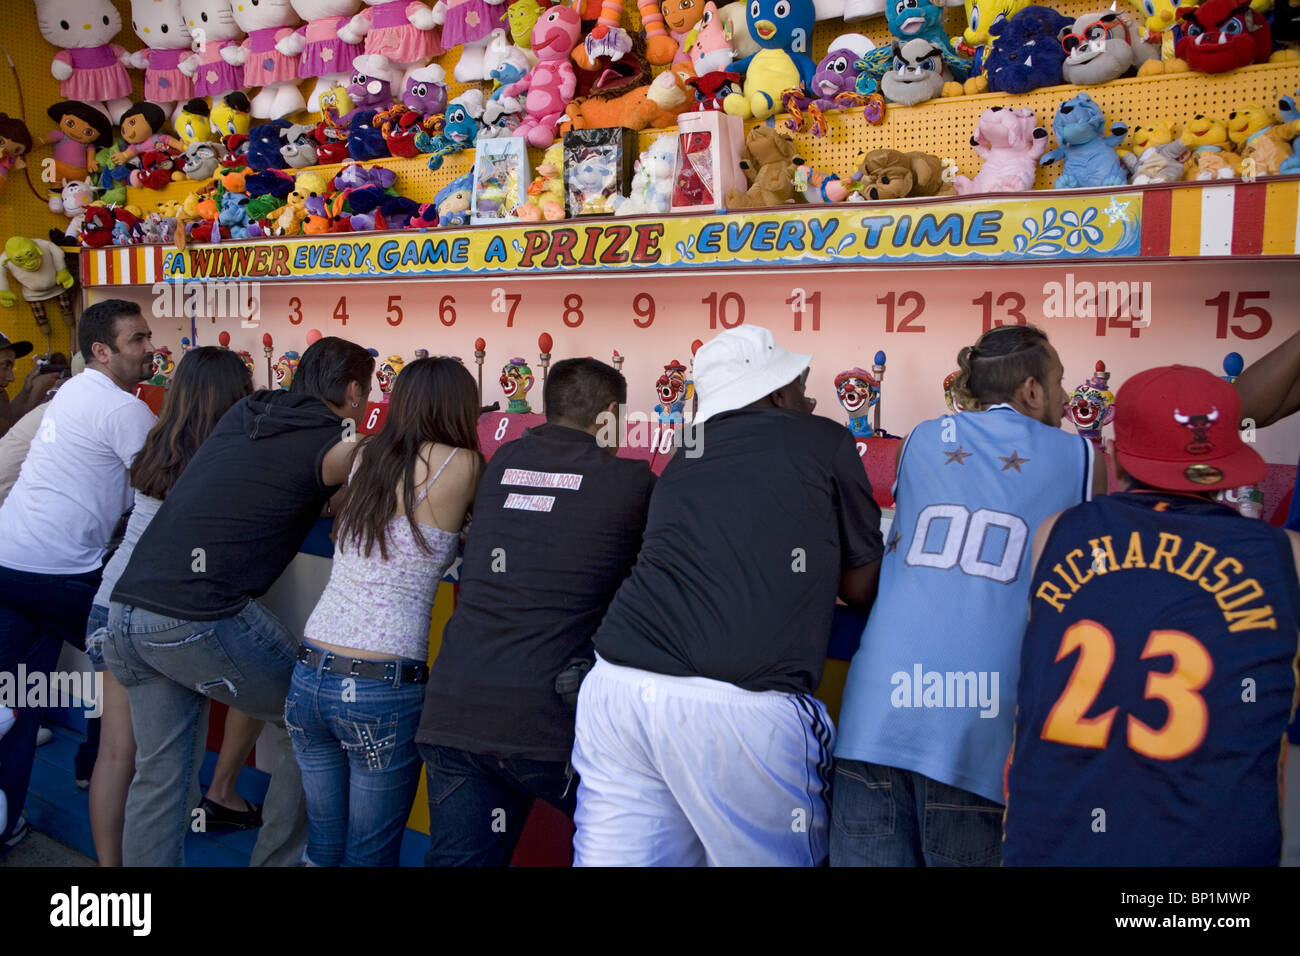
x=1212 y=156
x=1104 y=46
x=264 y=144
x=365 y=139
x=919 y=73
x=1089 y=154
x=1257 y=137
x=1026 y=53
x=1158 y=156
x=783 y=28
x=890 y=174
x=657 y=104
x=768 y=162
x=200 y=160
x=977 y=38
x=1010 y=142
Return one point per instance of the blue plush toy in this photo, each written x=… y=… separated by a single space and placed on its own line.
x=458 y=134
x=453 y=201
x=233 y=212
x=1026 y=53
x=1089 y=154
x=783 y=29
x=1289 y=112
x=365 y=141
x=264 y=145
x=909 y=19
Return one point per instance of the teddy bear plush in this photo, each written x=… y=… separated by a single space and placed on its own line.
x=768 y=162
x=652 y=183
x=1212 y=155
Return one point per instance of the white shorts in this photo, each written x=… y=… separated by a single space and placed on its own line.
x=684 y=771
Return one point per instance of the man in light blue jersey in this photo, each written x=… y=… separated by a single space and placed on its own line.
x=930 y=697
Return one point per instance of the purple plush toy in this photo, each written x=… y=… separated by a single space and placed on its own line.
x=838 y=72
x=426 y=90
x=371 y=87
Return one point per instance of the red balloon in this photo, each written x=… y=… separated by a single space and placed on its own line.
x=224 y=339
x=479 y=345
x=544 y=341
x=695 y=346
x=313 y=336
x=266 y=340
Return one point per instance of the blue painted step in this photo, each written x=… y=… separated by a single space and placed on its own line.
x=57 y=808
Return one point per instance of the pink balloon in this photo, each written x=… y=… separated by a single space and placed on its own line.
x=313 y=336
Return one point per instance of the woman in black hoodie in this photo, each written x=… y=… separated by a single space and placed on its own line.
x=184 y=622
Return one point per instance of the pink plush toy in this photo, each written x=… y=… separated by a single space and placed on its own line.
x=404 y=31
x=213 y=28
x=269 y=24
x=88 y=67
x=317 y=45
x=161 y=25
x=1010 y=143
x=550 y=84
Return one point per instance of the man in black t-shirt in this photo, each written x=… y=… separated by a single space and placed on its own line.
x=557 y=525
x=698 y=738
x=184 y=621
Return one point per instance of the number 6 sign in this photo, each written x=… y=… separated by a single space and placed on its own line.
x=376 y=413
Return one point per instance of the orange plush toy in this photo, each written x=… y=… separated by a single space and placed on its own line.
x=657 y=105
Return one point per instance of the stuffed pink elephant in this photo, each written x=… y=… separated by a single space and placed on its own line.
x=1010 y=143
x=550 y=84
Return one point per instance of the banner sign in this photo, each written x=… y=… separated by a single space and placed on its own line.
x=1022 y=229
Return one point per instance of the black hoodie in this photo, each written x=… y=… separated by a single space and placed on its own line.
x=238 y=513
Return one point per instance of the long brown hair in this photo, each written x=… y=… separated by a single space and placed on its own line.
x=433 y=400
x=207 y=382
x=996 y=365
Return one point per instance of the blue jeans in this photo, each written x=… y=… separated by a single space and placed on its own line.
x=170 y=668
x=478 y=803
x=38 y=612
x=354 y=739
x=883 y=816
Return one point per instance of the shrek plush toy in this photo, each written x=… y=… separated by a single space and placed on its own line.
x=41 y=270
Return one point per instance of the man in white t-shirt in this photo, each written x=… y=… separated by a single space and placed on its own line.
x=56 y=523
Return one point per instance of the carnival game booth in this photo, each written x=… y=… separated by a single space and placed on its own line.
x=866 y=227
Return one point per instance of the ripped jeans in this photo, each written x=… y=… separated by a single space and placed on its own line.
x=170 y=668
x=354 y=739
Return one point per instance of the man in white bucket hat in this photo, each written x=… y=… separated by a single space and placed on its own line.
x=698 y=739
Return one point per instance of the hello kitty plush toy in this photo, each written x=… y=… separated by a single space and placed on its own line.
x=404 y=31
x=160 y=24
x=317 y=45
x=469 y=24
x=550 y=85
x=267 y=23
x=88 y=67
x=213 y=29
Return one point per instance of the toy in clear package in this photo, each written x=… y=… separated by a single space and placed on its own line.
x=597 y=168
x=708 y=161
x=501 y=177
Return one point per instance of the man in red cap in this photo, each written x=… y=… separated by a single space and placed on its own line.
x=1157 y=674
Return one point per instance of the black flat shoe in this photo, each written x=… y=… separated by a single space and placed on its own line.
x=218 y=818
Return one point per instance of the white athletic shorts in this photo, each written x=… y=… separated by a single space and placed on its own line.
x=684 y=771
